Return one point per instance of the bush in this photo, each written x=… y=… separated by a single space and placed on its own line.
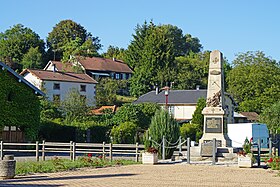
x=163 y=124
x=52 y=131
x=274 y=163
x=191 y=131
x=124 y=133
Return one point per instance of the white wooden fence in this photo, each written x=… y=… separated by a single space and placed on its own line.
x=73 y=149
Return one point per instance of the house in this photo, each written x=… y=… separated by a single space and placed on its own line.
x=95 y=67
x=57 y=84
x=246 y=117
x=182 y=103
x=19 y=106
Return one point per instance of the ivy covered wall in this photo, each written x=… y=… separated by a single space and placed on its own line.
x=19 y=106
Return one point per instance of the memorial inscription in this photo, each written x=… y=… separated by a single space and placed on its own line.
x=213 y=125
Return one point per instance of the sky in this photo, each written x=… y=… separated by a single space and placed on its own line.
x=231 y=26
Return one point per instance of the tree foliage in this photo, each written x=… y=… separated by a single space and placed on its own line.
x=163 y=124
x=114 y=52
x=190 y=130
x=271 y=117
x=124 y=133
x=17 y=41
x=254 y=81
x=75 y=109
x=67 y=34
x=151 y=54
x=197 y=117
x=192 y=70
x=106 y=92
x=19 y=105
x=32 y=59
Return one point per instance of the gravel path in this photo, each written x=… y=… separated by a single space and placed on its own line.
x=180 y=174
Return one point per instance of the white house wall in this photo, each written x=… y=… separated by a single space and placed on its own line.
x=184 y=112
x=33 y=80
x=65 y=88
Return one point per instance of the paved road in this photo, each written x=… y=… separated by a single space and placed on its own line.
x=179 y=174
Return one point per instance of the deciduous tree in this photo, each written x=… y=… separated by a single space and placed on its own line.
x=17 y=41
x=254 y=81
x=67 y=31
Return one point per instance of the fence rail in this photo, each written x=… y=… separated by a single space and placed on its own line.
x=72 y=149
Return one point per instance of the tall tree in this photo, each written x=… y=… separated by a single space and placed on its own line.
x=151 y=54
x=192 y=70
x=67 y=31
x=32 y=59
x=192 y=44
x=114 y=52
x=271 y=117
x=106 y=92
x=254 y=81
x=17 y=41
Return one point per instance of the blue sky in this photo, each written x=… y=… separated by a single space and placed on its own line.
x=229 y=26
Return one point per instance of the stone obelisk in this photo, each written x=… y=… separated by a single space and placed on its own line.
x=215 y=125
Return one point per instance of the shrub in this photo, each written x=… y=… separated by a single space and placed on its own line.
x=124 y=133
x=191 y=131
x=274 y=163
x=163 y=124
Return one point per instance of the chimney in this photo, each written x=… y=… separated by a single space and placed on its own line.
x=157 y=90
x=54 y=68
x=197 y=87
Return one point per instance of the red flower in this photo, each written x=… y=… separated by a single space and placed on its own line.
x=89 y=155
x=270 y=160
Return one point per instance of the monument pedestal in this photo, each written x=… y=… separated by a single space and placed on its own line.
x=215 y=127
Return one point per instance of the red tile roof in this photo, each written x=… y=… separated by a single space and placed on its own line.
x=100 y=110
x=103 y=64
x=252 y=116
x=64 y=67
x=61 y=76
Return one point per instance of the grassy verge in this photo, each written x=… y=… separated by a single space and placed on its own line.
x=57 y=164
x=125 y=99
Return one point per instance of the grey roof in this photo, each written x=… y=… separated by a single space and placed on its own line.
x=174 y=97
x=21 y=79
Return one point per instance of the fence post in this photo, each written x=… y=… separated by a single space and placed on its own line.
x=214 y=152
x=103 y=150
x=1 y=151
x=37 y=151
x=71 y=150
x=259 y=152
x=136 y=154
x=163 y=148
x=74 y=151
x=43 y=150
x=270 y=147
x=188 y=150
x=180 y=145
x=111 y=152
x=278 y=152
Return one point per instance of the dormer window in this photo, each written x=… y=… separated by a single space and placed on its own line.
x=56 y=86
x=83 y=88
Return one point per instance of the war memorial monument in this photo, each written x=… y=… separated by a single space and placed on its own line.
x=215 y=112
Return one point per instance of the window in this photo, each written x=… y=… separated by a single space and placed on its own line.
x=56 y=98
x=117 y=76
x=171 y=110
x=83 y=88
x=56 y=86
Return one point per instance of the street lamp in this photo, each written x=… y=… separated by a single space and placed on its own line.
x=166 y=93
